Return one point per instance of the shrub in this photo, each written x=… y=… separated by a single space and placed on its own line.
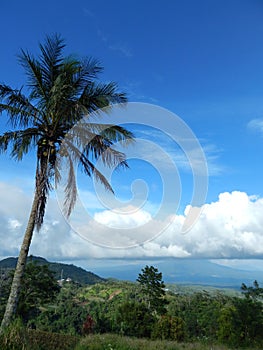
x=17 y=337
x=40 y=340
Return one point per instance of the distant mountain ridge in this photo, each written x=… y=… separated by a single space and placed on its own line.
x=75 y=273
x=184 y=272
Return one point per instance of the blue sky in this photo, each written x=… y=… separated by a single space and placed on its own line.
x=201 y=60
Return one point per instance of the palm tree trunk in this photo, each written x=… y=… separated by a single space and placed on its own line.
x=20 y=267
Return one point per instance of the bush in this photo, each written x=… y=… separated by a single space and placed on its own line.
x=40 y=340
x=17 y=337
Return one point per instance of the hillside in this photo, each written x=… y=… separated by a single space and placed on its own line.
x=77 y=274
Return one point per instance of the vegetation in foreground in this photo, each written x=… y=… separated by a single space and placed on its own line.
x=143 y=314
x=17 y=337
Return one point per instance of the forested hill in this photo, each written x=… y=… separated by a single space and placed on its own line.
x=76 y=274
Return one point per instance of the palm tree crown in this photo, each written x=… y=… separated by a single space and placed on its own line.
x=62 y=90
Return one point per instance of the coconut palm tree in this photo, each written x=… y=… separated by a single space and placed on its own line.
x=61 y=91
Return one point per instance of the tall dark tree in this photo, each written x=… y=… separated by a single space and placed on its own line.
x=153 y=289
x=60 y=91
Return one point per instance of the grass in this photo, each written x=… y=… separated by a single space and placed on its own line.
x=16 y=337
x=117 y=342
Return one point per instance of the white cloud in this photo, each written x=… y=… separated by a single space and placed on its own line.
x=256 y=124
x=230 y=227
x=126 y=218
x=14 y=224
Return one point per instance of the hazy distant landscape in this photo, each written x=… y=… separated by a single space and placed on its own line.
x=182 y=271
x=198 y=272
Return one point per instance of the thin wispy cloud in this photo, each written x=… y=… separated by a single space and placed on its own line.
x=122 y=48
x=185 y=160
x=256 y=125
x=133 y=89
x=111 y=44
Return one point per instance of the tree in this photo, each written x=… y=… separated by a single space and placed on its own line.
x=38 y=288
x=255 y=292
x=134 y=319
x=61 y=90
x=66 y=316
x=153 y=289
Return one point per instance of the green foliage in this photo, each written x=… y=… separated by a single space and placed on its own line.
x=248 y=321
x=17 y=337
x=66 y=318
x=117 y=342
x=170 y=328
x=152 y=287
x=5 y=283
x=227 y=332
x=14 y=337
x=116 y=307
x=39 y=340
x=200 y=312
x=39 y=287
x=134 y=319
x=254 y=292
x=66 y=315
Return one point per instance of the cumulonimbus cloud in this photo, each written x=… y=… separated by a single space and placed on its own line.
x=230 y=227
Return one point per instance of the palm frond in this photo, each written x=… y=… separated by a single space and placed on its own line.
x=70 y=189
x=42 y=201
x=20 y=110
x=102 y=148
x=98 y=96
x=75 y=155
x=117 y=133
x=43 y=187
x=90 y=169
x=5 y=140
x=88 y=70
x=51 y=58
x=21 y=141
x=34 y=73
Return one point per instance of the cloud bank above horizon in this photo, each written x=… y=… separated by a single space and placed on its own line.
x=228 y=228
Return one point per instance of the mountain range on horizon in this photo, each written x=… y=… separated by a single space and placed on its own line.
x=176 y=271
x=184 y=271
